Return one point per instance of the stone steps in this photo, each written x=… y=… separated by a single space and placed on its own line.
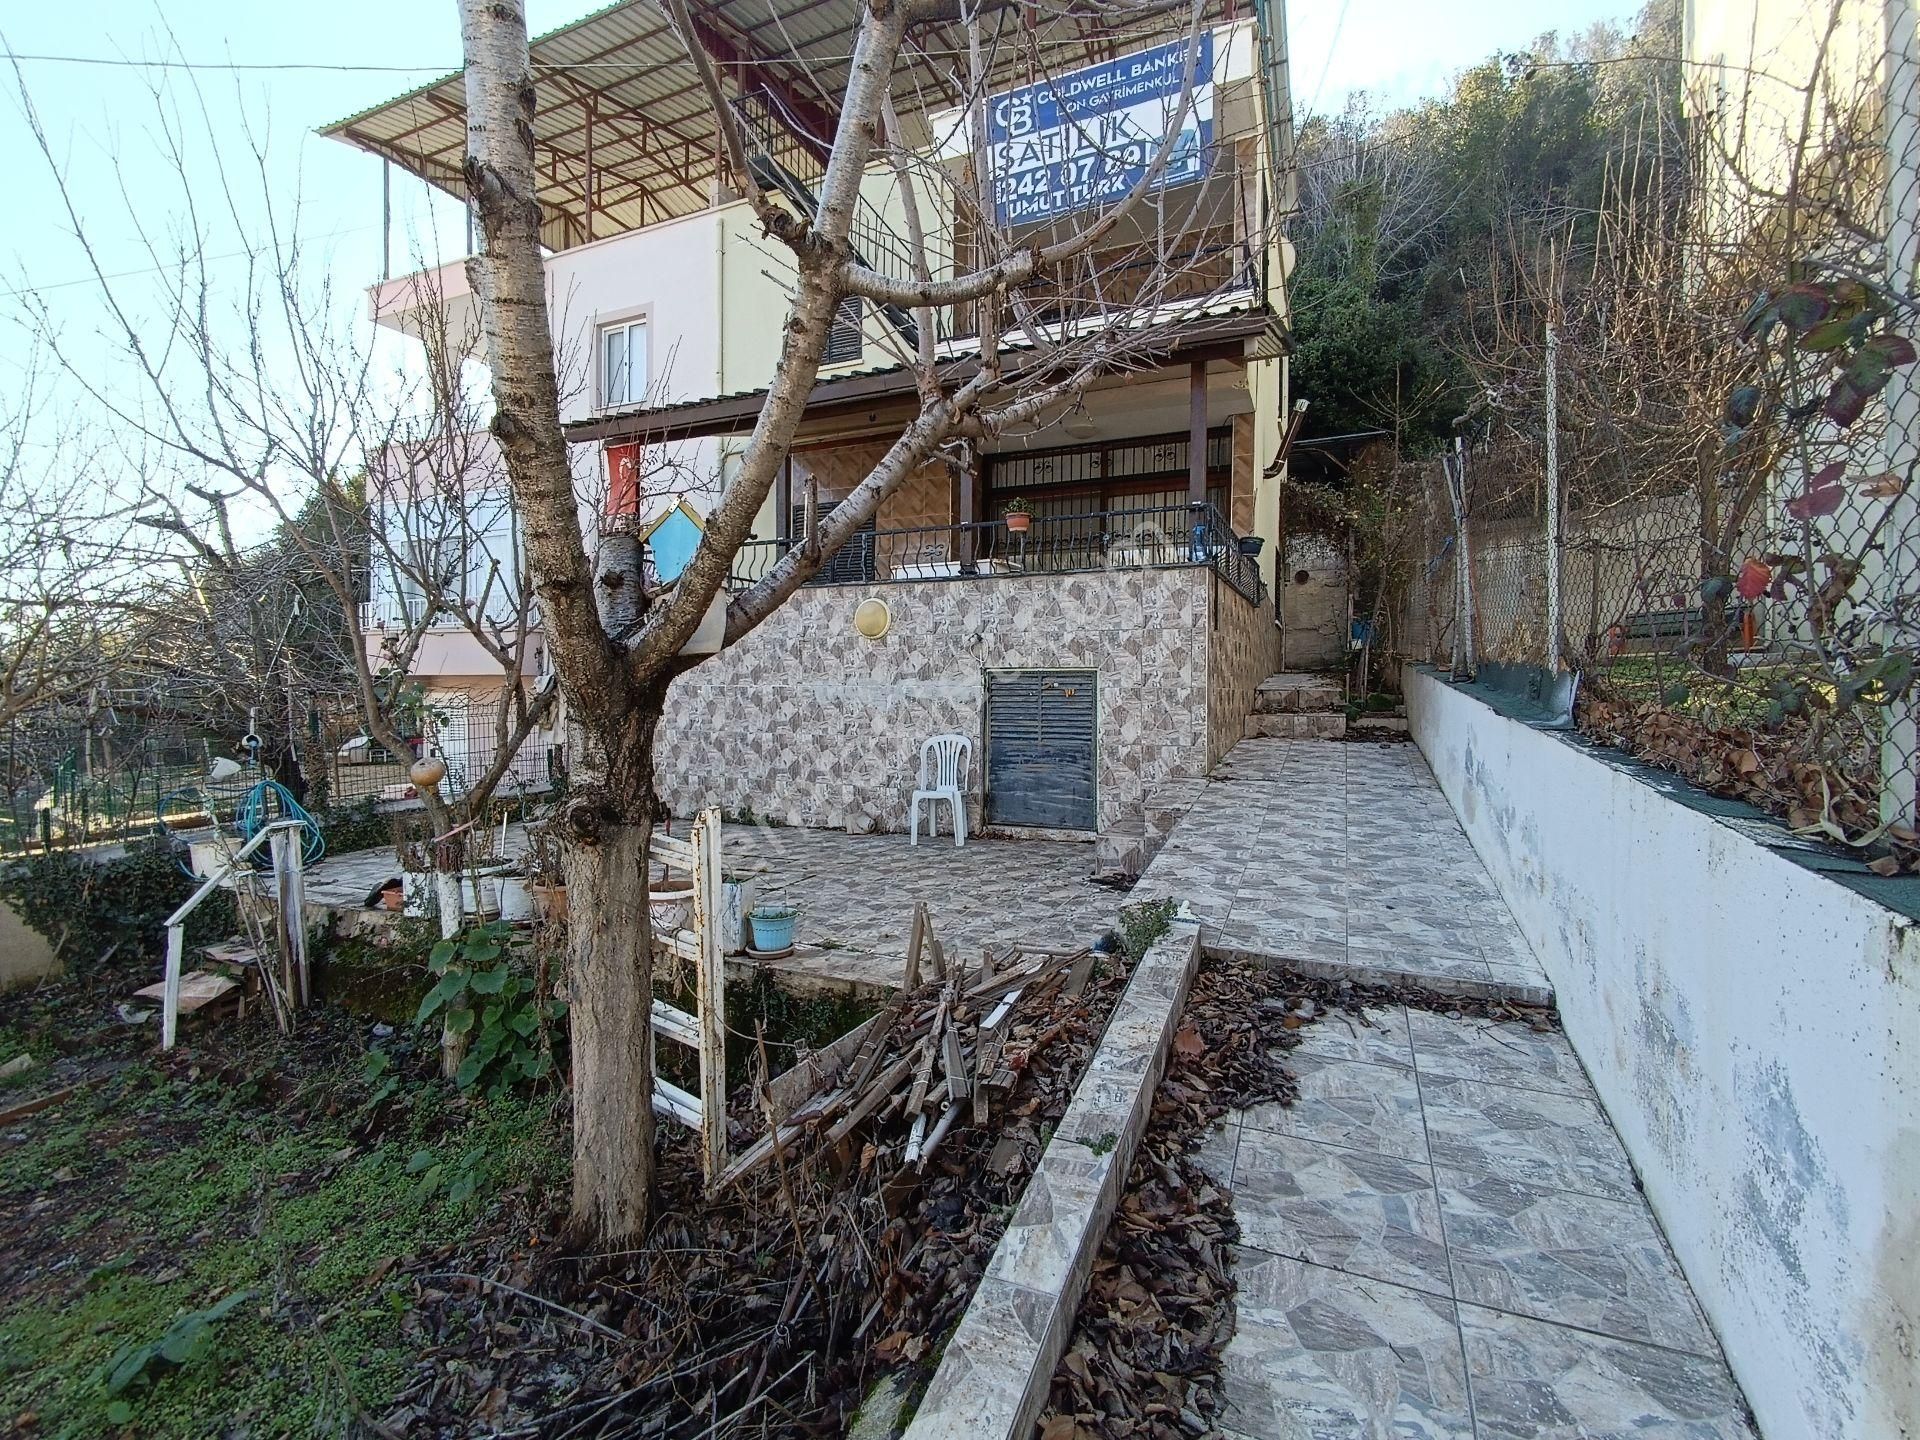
x=1317 y=725
x=1129 y=847
x=1293 y=693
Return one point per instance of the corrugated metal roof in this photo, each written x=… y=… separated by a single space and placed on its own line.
x=653 y=136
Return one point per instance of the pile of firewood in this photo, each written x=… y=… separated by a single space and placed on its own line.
x=938 y=1055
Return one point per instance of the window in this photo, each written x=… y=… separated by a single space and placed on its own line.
x=623 y=364
x=843 y=340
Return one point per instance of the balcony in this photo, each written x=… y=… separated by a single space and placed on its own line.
x=1153 y=538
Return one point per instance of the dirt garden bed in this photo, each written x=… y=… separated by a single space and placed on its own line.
x=256 y=1235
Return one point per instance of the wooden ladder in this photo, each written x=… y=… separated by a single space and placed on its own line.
x=704 y=1032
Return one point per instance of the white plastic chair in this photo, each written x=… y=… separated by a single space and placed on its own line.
x=945 y=761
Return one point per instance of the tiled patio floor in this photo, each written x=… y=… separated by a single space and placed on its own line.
x=1342 y=859
x=856 y=895
x=1442 y=1239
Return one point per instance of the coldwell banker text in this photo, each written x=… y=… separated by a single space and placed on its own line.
x=1086 y=138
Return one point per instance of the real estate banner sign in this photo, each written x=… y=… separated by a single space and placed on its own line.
x=1084 y=139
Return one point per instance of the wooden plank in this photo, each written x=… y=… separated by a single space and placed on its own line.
x=868 y=1059
x=755 y=1155
x=1078 y=976
x=196 y=989
x=930 y=1048
x=676 y=1024
x=170 y=986
x=916 y=938
x=955 y=1064
x=296 y=903
x=880 y=1091
x=939 y=959
x=676 y=1104
x=684 y=944
x=37 y=1104
x=710 y=993
x=1016 y=979
x=680 y=854
x=1003 y=1010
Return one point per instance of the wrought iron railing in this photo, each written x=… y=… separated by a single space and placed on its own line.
x=1157 y=538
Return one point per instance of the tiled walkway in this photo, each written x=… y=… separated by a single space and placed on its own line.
x=1442 y=1238
x=1341 y=858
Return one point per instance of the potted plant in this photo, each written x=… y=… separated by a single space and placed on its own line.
x=773 y=926
x=516 y=897
x=1018 y=513
x=669 y=900
x=1251 y=545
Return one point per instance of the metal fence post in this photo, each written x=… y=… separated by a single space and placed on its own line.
x=1456 y=473
x=1900 y=733
x=1553 y=500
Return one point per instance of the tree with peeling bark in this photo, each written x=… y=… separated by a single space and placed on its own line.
x=1036 y=352
x=284 y=480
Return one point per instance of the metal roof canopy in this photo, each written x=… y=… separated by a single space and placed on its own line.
x=623 y=136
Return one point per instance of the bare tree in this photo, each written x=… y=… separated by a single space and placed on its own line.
x=1735 y=332
x=68 y=601
x=269 y=452
x=1028 y=295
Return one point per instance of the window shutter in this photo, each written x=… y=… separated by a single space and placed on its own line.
x=843 y=341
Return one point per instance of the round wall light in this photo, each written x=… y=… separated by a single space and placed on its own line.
x=871 y=617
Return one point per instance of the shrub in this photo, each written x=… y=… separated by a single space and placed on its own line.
x=87 y=908
x=359 y=826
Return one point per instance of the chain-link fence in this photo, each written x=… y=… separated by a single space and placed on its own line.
x=117 y=771
x=73 y=779
x=1693 y=479
x=467 y=729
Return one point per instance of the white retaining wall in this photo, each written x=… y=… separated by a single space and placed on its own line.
x=1754 y=1032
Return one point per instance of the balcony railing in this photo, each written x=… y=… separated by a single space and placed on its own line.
x=1158 y=538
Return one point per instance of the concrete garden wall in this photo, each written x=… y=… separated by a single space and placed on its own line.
x=1753 y=1029
x=25 y=955
x=808 y=723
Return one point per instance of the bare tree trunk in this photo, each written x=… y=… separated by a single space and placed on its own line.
x=610 y=981
x=607 y=825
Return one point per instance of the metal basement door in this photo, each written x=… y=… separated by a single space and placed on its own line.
x=1040 y=747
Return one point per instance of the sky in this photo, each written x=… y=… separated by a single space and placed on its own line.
x=102 y=123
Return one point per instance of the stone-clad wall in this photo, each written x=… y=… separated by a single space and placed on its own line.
x=807 y=723
x=1243 y=645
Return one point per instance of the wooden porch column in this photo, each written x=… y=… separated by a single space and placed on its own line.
x=1197 y=433
x=969 y=500
x=783 y=501
x=592 y=186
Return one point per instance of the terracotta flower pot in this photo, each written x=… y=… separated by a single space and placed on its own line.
x=550 y=901
x=1018 y=522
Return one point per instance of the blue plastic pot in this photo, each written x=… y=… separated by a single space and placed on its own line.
x=773 y=928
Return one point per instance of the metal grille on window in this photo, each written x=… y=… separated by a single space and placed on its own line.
x=843 y=341
x=852 y=563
